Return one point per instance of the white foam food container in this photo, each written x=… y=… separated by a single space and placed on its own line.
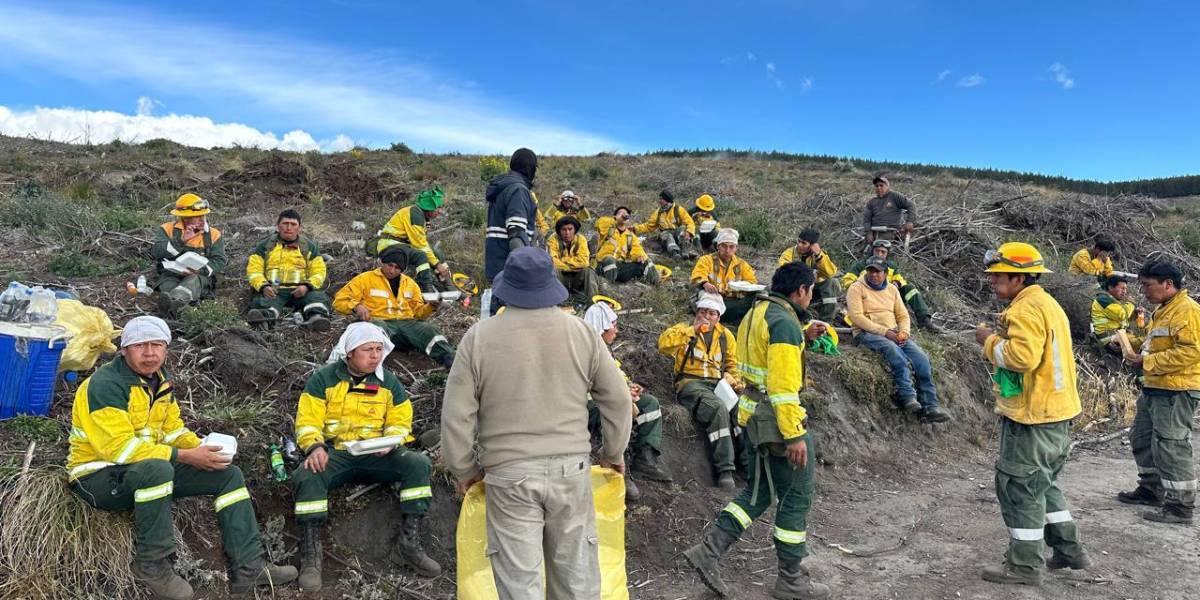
x=442 y=296
x=192 y=261
x=361 y=447
x=726 y=395
x=707 y=226
x=227 y=443
x=746 y=286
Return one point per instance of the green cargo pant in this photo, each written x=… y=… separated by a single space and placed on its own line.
x=736 y=307
x=719 y=424
x=1161 y=439
x=620 y=272
x=581 y=283
x=825 y=298
x=647 y=425
x=1034 y=509
x=417 y=336
x=200 y=286
x=708 y=241
x=418 y=263
x=283 y=304
x=672 y=241
x=149 y=486
x=407 y=467
x=915 y=301
x=770 y=477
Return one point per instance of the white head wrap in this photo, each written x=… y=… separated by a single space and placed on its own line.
x=145 y=329
x=713 y=301
x=601 y=317
x=727 y=236
x=358 y=334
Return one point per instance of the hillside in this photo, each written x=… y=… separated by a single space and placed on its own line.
x=903 y=510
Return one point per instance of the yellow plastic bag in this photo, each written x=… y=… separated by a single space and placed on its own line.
x=92 y=334
x=475 y=571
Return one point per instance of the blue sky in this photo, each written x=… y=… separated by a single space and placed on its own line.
x=1103 y=90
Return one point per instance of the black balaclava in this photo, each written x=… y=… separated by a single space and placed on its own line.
x=524 y=161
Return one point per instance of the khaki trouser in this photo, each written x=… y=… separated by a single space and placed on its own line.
x=540 y=510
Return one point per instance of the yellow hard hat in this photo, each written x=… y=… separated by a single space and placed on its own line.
x=664 y=272
x=190 y=205
x=611 y=301
x=464 y=283
x=1015 y=257
x=706 y=203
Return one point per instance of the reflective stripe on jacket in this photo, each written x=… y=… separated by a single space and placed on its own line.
x=1172 y=345
x=623 y=246
x=770 y=352
x=821 y=263
x=710 y=269
x=572 y=257
x=374 y=291
x=669 y=219
x=169 y=244
x=408 y=226
x=1109 y=315
x=697 y=357
x=333 y=408
x=116 y=419
x=1037 y=345
x=284 y=264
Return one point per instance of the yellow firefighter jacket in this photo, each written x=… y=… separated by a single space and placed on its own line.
x=710 y=269
x=1109 y=316
x=374 y=291
x=770 y=354
x=117 y=419
x=669 y=219
x=822 y=264
x=1037 y=346
x=285 y=264
x=1082 y=262
x=555 y=212
x=1172 y=345
x=623 y=246
x=408 y=226
x=696 y=356
x=569 y=257
x=335 y=409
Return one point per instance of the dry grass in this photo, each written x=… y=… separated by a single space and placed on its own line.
x=1106 y=397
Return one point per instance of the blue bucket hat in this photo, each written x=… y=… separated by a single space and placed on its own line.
x=528 y=280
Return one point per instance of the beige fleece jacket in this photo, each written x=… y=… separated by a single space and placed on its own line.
x=519 y=387
x=875 y=311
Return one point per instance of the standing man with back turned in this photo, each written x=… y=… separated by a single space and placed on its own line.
x=532 y=432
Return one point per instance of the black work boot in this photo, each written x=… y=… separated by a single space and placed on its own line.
x=632 y=493
x=310 y=556
x=160 y=578
x=705 y=557
x=793 y=583
x=1141 y=495
x=259 y=572
x=1170 y=513
x=1060 y=561
x=1004 y=573
x=928 y=325
x=934 y=414
x=725 y=481
x=317 y=322
x=406 y=551
x=257 y=317
x=908 y=405
x=447 y=361
x=645 y=462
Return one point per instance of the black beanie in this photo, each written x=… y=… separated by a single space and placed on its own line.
x=524 y=161
x=666 y=195
x=394 y=255
x=810 y=235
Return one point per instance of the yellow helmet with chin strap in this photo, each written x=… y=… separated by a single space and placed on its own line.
x=191 y=205
x=706 y=203
x=1015 y=257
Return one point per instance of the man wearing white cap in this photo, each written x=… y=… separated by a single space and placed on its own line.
x=715 y=272
x=646 y=441
x=705 y=353
x=569 y=204
x=131 y=449
x=351 y=399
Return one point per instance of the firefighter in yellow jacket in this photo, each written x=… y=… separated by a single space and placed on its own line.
x=671 y=224
x=808 y=251
x=572 y=260
x=1036 y=398
x=714 y=272
x=707 y=225
x=407 y=230
x=189 y=232
x=353 y=399
x=770 y=350
x=131 y=450
x=619 y=254
x=1112 y=313
x=1161 y=437
x=1095 y=261
x=705 y=353
x=569 y=204
x=393 y=301
x=287 y=272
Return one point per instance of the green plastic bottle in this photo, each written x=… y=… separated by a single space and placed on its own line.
x=277 y=463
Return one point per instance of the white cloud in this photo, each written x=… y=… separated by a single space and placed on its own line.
x=317 y=87
x=943 y=75
x=145 y=105
x=806 y=85
x=101 y=126
x=970 y=81
x=771 y=75
x=1062 y=76
x=771 y=67
x=751 y=57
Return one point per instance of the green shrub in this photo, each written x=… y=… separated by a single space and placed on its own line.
x=401 y=147
x=33 y=429
x=81 y=190
x=474 y=215
x=491 y=166
x=597 y=172
x=46 y=215
x=123 y=219
x=73 y=264
x=208 y=316
x=238 y=412
x=1189 y=236
x=755 y=229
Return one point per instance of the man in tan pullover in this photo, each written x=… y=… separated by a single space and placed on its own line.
x=532 y=431
x=881 y=323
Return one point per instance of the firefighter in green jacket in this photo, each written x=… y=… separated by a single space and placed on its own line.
x=1113 y=313
x=1161 y=437
x=178 y=286
x=770 y=349
x=286 y=272
x=1036 y=398
x=407 y=230
x=131 y=450
x=350 y=400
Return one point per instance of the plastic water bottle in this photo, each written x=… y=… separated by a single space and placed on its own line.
x=10 y=302
x=485 y=304
x=43 y=308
